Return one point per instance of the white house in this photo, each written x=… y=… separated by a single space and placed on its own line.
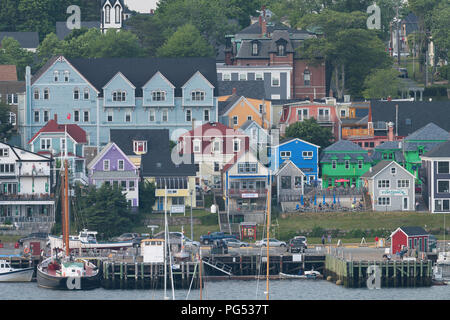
x=26 y=197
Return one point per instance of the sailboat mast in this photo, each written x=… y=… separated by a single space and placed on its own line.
x=66 y=207
x=269 y=198
x=166 y=237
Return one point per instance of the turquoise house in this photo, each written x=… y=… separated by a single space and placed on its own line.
x=120 y=93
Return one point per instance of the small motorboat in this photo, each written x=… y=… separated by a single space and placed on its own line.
x=306 y=275
x=8 y=274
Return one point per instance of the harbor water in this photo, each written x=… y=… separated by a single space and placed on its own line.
x=232 y=290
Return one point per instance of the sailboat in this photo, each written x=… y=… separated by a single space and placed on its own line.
x=62 y=271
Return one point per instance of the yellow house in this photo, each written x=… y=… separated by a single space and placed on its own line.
x=236 y=110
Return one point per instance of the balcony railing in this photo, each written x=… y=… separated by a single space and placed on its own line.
x=26 y=197
x=247 y=193
x=323 y=118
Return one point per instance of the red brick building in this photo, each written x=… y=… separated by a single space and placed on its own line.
x=267 y=44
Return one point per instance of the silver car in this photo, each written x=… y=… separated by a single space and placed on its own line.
x=272 y=243
x=235 y=243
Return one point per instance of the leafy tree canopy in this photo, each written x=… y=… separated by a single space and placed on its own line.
x=310 y=131
x=12 y=53
x=382 y=83
x=5 y=126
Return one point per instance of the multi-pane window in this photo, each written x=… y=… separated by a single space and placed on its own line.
x=281 y=50
x=442 y=205
x=284 y=154
x=152 y=115
x=66 y=76
x=197 y=146
x=297 y=182
x=140 y=146
x=242 y=76
x=383 y=183
x=216 y=145
x=403 y=183
x=110 y=117
x=307 y=154
x=302 y=114
x=198 y=95
x=46 y=94
x=347 y=164
x=105 y=165
x=226 y=77
x=12 y=98
x=286 y=182
x=86 y=94
x=443 y=186
x=235 y=120
x=119 y=95
x=393 y=170
x=36 y=116
x=36 y=94
x=131 y=185
x=128 y=116
x=247 y=167
x=46 y=143
x=255 y=48
x=443 y=167
x=7 y=168
x=333 y=164
x=275 y=81
x=307 y=78
x=76 y=115
x=158 y=95
x=384 y=201
x=120 y=164
x=4 y=152
x=236 y=145
x=86 y=116
x=165 y=115
x=12 y=118
x=63 y=144
x=216 y=167
x=188 y=115
x=56 y=76
x=206 y=115
x=46 y=115
x=76 y=94
x=360 y=164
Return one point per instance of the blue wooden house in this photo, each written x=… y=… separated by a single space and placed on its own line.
x=303 y=154
x=121 y=93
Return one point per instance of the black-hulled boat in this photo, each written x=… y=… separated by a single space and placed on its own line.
x=62 y=271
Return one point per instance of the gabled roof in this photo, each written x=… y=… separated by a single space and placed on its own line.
x=413 y=231
x=412 y=115
x=344 y=145
x=216 y=126
x=22 y=153
x=288 y=140
x=440 y=151
x=251 y=88
x=105 y=150
x=73 y=130
x=285 y=165
x=382 y=165
x=27 y=40
x=99 y=71
x=429 y=132
x=389 y=145
x=226 y=105
x=8 y=72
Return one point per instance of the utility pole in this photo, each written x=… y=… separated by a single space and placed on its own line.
x=398 y=36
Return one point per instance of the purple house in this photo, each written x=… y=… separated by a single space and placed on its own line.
x=113 y=167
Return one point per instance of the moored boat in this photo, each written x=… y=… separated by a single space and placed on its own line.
x=8 y=274
x=307 y=275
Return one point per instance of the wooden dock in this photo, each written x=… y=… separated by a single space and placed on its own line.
x=378 y=273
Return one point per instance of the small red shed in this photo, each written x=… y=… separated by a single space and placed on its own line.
x=410 y=237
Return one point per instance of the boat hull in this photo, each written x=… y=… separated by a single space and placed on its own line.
x=45 y=280
x=303 y=276
x=19 y=275
x=57 y=242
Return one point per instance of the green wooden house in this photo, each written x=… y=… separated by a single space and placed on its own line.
x=388 y=151
x=343 y=163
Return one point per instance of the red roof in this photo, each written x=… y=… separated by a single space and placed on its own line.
x=8 y=73
x=73 y=130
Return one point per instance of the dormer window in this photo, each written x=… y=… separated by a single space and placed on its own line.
x=158 y=95
x=140 y=147
x=255 y=48
x=108 y=14
x=117 y=8
x=281 y=49
x=198 y=95
x=119 y=95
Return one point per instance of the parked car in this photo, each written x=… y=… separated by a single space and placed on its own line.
x=272 y=243
x=137 y=241
x=176 y=237
x=235 y=243
x=209 y=238
x=126 y=237
x=403 y=72
x=303 y=238
x=296 y=245
x=34 y=235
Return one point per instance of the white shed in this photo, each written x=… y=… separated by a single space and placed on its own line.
x=152 y=250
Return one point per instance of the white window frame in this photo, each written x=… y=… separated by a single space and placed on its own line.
x=88 y=116
x=55 y=76
x=285 y=154
x=76 y=115
x=437 y=186
x=384 y=201
x=226 y=76
x=333 y=164
x=238 y=145
x=76 y=94
x=46 y=115
x=300 y=114
x=275 y=77
x=62 y=142
x=437 y=167
x=218 y=147
x=130 y=114
x=46 y=95
x=242 y=76
x=347 y=164
x=136 y=145
x=5 y=152
x=403 y=183
x=151 y=113
x=110 y=114
x=36 y=94
x=121 y=161
x=188 y=115
x=235 y=120
x=12 y=118
x=384 y=183
x=66 y=76
x=393 y=170
x=307 y=154
x=165 y=112
x=158 y=95
x=360 y=164
x=106 y=165
x=206 y=115
x=86 y=94
x=46 y=143
x=196 y=146
x=198 y=95
x=38 y=113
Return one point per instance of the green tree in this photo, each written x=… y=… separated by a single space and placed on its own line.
x=310 y=131
x=382 y=83
x=186 y=42
x=149 y=32
x=106 y=210
x=440 y=29
x=147 y=196
x=5 y=126
x=12 y=53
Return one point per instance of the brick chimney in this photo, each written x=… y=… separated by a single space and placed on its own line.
x=234 y=91
x=390 y=131
x=262 y=21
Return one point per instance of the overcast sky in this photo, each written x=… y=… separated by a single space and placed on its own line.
x=141 y=5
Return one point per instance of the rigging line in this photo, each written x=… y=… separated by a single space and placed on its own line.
x=192 y=280
x=260 y=255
